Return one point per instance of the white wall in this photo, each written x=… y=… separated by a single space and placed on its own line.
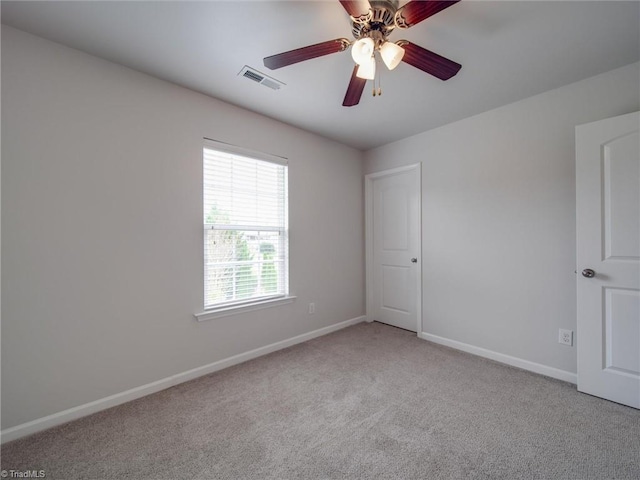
x=498 y=218
x=102 y=234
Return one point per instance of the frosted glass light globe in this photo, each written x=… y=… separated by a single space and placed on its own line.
x=367 y=70
x=391 y=54
x=362 y=50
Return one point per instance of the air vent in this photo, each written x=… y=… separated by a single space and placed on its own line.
x=261 y=78
x=253 y=76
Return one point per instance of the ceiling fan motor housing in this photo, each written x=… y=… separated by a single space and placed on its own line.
x=380 y=24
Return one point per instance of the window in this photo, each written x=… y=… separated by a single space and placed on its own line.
x=245 y=227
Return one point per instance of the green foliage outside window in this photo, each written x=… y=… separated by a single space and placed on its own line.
x=235 y=279
x=269 y=275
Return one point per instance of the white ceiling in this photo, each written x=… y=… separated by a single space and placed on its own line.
x=509 y=50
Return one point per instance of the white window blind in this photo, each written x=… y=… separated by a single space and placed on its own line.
x=245 y=228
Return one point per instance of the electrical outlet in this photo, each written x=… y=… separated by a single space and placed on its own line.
x=312 y=308
x=565 y=337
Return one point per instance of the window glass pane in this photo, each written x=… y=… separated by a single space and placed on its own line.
x=245 y=236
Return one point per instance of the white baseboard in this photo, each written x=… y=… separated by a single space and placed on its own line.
x=502 y=358
x=74 y=413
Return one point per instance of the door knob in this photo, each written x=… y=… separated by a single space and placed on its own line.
x=414 y=260
x=587 y=272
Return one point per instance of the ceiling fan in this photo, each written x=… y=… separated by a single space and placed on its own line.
x=372 y=22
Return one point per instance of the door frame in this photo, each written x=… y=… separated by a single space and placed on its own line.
x=368 y=219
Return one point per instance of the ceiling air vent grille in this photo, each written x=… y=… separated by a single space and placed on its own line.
x=261 y=78
x=253 y=76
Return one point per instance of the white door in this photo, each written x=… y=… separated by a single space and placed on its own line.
x=608 y=258
x=393 y=247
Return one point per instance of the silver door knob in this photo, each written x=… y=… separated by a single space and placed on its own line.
x=587 y=272
x=414 y=260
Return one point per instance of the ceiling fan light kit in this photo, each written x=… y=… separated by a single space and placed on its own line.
x=372 y=22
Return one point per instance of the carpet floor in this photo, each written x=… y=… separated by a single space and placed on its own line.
x=367 y=402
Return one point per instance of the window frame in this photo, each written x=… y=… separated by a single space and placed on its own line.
x=237 y=306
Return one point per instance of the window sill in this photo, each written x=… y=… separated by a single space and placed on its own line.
x=248 y=307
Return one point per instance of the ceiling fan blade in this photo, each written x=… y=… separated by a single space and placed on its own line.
x=428 y=61
x=416 y=11
x=358 y=9
x=306 y=53
x=355 y=89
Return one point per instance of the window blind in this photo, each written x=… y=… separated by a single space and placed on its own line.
x=245 y=228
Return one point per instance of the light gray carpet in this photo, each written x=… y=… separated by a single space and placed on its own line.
x=367 y=402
